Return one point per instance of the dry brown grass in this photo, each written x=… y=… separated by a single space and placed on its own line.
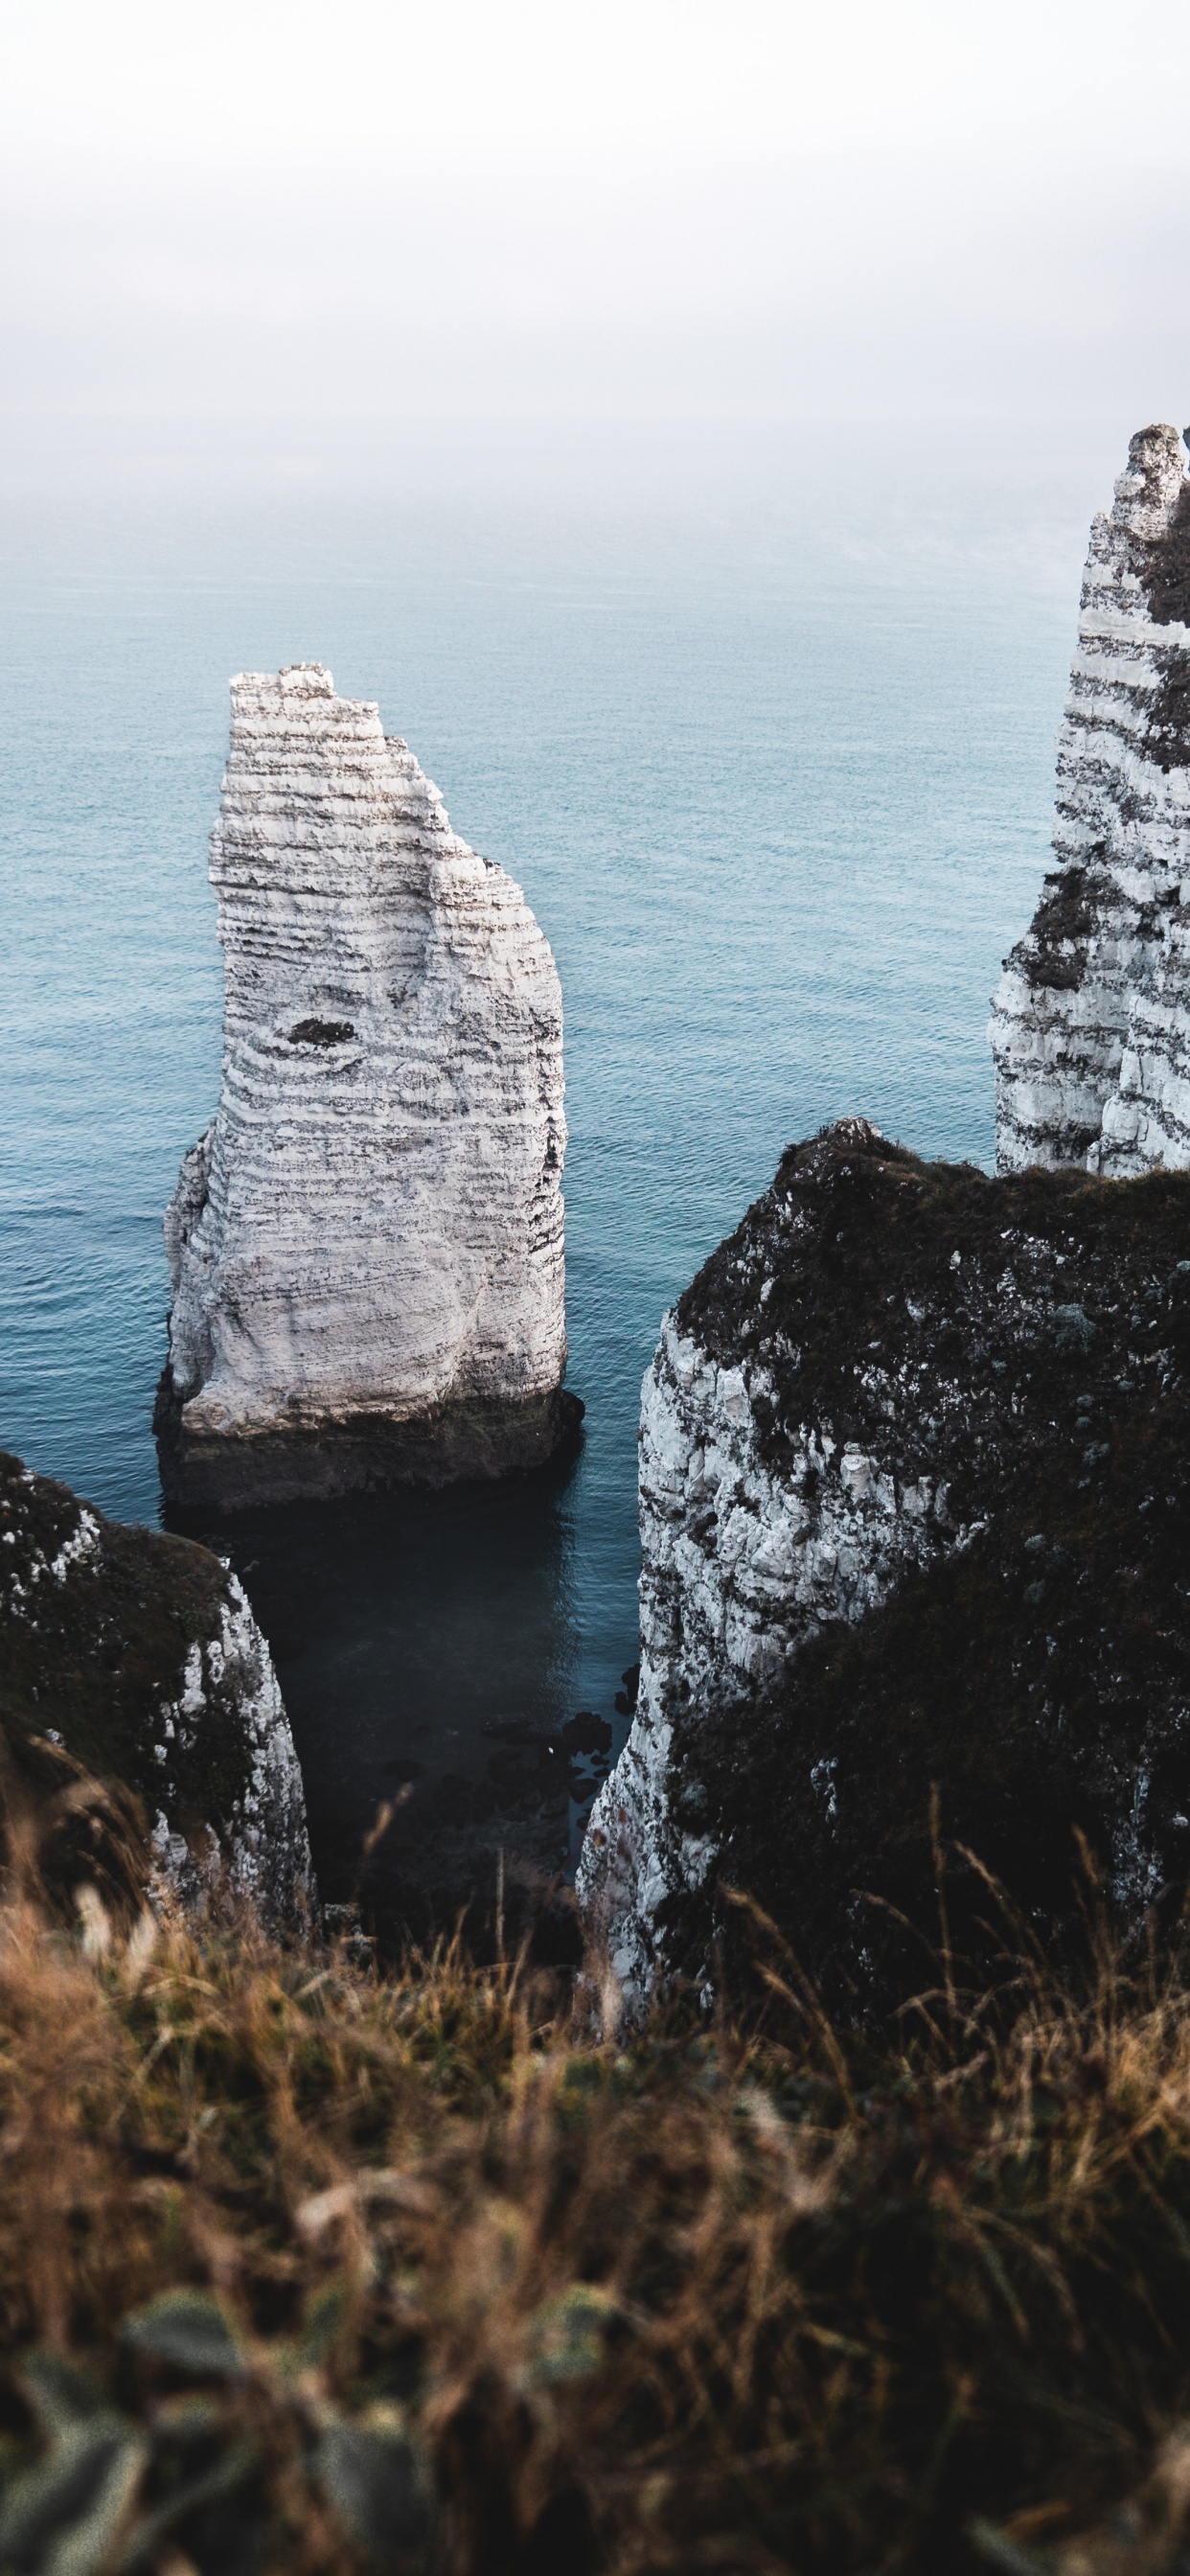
x=479 y=2291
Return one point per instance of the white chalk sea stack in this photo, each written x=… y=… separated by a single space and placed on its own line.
x=366 y=1245
x=1091 y=1019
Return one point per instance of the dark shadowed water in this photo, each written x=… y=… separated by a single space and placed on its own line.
x=774 y=772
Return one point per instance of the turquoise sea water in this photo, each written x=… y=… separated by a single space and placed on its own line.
x=775 y=774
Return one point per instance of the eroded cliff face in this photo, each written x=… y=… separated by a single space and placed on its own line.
x=914 y=1475
x=1091 y=1019
x=366 y=1246
x=138 y=1656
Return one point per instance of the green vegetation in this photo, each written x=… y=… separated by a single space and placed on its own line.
x=307 y=2268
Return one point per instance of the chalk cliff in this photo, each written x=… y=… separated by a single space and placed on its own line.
x=137 y=1658
x=915 y=1460
x=366 y=1245
x=1091 y=1019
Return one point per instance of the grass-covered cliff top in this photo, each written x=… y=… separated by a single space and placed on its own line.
x=942 y=1319
x=305 y=2270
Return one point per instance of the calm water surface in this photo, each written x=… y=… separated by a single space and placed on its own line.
x=775 y=776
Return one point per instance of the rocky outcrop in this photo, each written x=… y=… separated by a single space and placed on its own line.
x=915 y=1468
x=366 y=1246
x=136 y=1658
x=1091 y=1019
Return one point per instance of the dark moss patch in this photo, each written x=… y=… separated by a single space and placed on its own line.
x=927 y=1310
x=626 y=1698
x=97 y=1622
x=1169 y=719
x=1053 y=955
x=1042 y=1681
x=1026 y=1340
x=1166 y=571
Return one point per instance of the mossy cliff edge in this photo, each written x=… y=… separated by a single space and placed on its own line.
x=135 y=1658
x=915 y=1472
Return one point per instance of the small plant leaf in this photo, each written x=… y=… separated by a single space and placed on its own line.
x=146 y=2536
x=60 y=2518
x=188 y=2328
x=322 y=2324
x=59 y=2392
x=999 y=2549
x=375 y=2478
x=190 y=2417
x=567 y=2337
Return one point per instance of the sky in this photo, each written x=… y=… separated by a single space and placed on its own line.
x=243 y=221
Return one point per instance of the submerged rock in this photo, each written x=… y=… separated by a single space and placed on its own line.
x=366 y=1246
x=138 y=1656
x=915 y=1474
x=1091 y=1019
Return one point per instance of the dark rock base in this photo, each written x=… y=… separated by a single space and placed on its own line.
x=369 y=1454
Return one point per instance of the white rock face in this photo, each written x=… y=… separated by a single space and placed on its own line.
x=366 y=1246
x=741 y=1562
x=1091 y=1019
x=717 y=1624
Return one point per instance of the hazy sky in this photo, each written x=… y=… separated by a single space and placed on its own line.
x=239 y=212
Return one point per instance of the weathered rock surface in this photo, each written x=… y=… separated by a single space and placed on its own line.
x=1091 y=1019
x=915 y=1470
x=366 y=1246
x=138 y=1656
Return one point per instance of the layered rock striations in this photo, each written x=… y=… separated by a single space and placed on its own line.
x=915 y=1469
x=1091 y=1020
x=366 y=1245
x=133 y=1657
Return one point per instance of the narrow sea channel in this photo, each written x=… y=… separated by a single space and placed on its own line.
x=772 y=762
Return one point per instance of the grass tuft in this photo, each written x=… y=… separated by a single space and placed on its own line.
x=311 y=2269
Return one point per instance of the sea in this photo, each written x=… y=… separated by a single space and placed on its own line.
x=765 y=731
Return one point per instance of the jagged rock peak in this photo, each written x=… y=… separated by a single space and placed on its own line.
x=136 y=1658
x=366 y=1245
x=1091 y=1019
